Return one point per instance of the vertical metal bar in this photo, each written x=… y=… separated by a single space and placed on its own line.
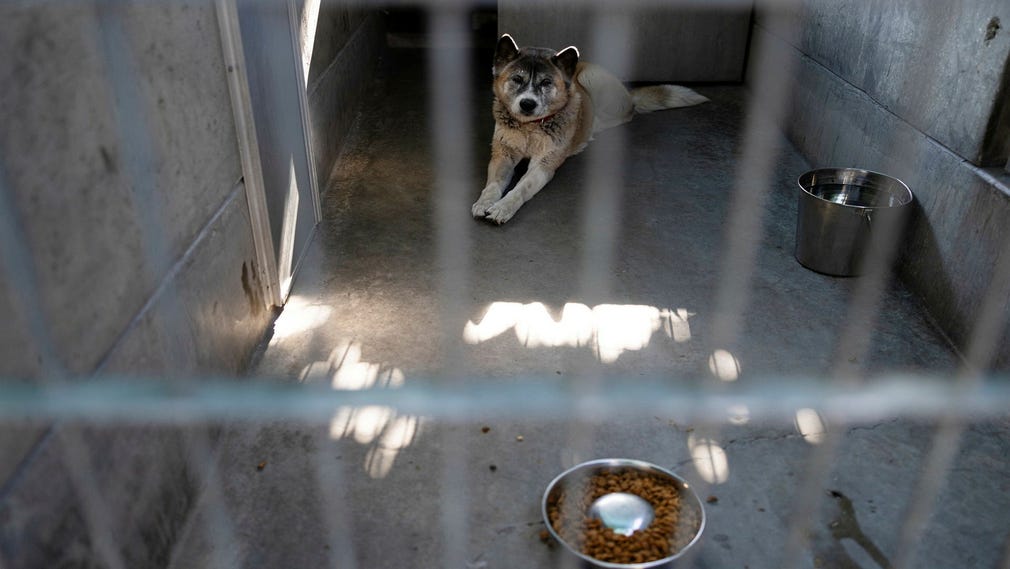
x=762 y=138
x=219 y=526
x=848 y=366
x=332 y=481
x=808 y=498
x=986 y=335
x=451 y=134
x=990 y=319
x=600 y=221
x=140 y=173
x=602 y=213
x=16 y=256
x=15 y=253
x=754 y=177
x=95 y=510
x=454 y=497
x=945 y=444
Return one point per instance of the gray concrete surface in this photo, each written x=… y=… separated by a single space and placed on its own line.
x=69 y=158
x=377 y=488
x=710 y=42
x=349 y=41
x=210 y=315
x=954 y=253
x=940 y=66
x=145 y=484
x=119 y=162
x=126 y=501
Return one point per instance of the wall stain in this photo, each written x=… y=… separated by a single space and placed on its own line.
x=107 y=160
x=992 y=29
x=251 y=287
x=996 y=142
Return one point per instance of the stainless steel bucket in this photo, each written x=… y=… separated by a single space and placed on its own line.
x=843 y=214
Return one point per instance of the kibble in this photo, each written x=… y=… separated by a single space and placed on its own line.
x=673 y=526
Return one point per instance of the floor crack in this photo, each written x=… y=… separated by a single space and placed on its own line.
x=762 y=438
x=872 y=427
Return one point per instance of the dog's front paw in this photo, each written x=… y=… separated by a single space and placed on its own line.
x=502 y=210
x=480 y=207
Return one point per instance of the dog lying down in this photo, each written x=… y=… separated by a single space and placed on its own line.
x=547 y=107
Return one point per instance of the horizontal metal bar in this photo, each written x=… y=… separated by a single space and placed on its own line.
x=624 y=4
x=211 y=399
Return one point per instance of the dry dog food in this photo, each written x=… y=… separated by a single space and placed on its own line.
x=674 y=526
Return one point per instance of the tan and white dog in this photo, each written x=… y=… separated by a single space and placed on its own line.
x=547 y=106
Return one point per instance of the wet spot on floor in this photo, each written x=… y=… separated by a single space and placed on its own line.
x=845 y=525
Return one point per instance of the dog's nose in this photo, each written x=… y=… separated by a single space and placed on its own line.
x=527 y=105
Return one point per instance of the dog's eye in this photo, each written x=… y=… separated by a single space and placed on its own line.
x=517 y=79
x=546 y=83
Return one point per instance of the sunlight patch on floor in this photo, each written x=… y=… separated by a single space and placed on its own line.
x=382 y=429
x=298 y=317
x=611 y=329
x=724 y=365
x=811 y=425
x=709 y=459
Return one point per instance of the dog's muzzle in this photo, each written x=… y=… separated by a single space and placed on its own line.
x=527 y=106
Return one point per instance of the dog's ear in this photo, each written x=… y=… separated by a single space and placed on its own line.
x=566 y=60
x=506 y=51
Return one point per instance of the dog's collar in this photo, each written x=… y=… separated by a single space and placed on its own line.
x=542 y=120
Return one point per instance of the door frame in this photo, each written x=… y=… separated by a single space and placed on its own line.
x=267 y=268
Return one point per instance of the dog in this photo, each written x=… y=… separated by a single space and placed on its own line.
x=547 y=106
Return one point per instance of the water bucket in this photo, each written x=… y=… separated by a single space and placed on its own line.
x=843 y=214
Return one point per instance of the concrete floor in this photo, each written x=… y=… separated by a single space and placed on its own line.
x=366 y=306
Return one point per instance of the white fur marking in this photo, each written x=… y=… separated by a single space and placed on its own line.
x=659 y=97
x=532 y=182
x=572 y=47
x=612 y=104
x=514 y=44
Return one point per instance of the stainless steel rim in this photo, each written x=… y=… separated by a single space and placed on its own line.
x=803 y=181
x=623 y=462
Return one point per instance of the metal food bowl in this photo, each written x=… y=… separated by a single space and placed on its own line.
x=584 y=471
x=843 y=214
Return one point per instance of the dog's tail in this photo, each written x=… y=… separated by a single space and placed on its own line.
x=659 y=97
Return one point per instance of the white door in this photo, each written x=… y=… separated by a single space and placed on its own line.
x=268 y=92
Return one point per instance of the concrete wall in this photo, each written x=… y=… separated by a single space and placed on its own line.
x=940 y=66
x=684 y=44
x=349 y=44
x=119 y=157
x=915 y=89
